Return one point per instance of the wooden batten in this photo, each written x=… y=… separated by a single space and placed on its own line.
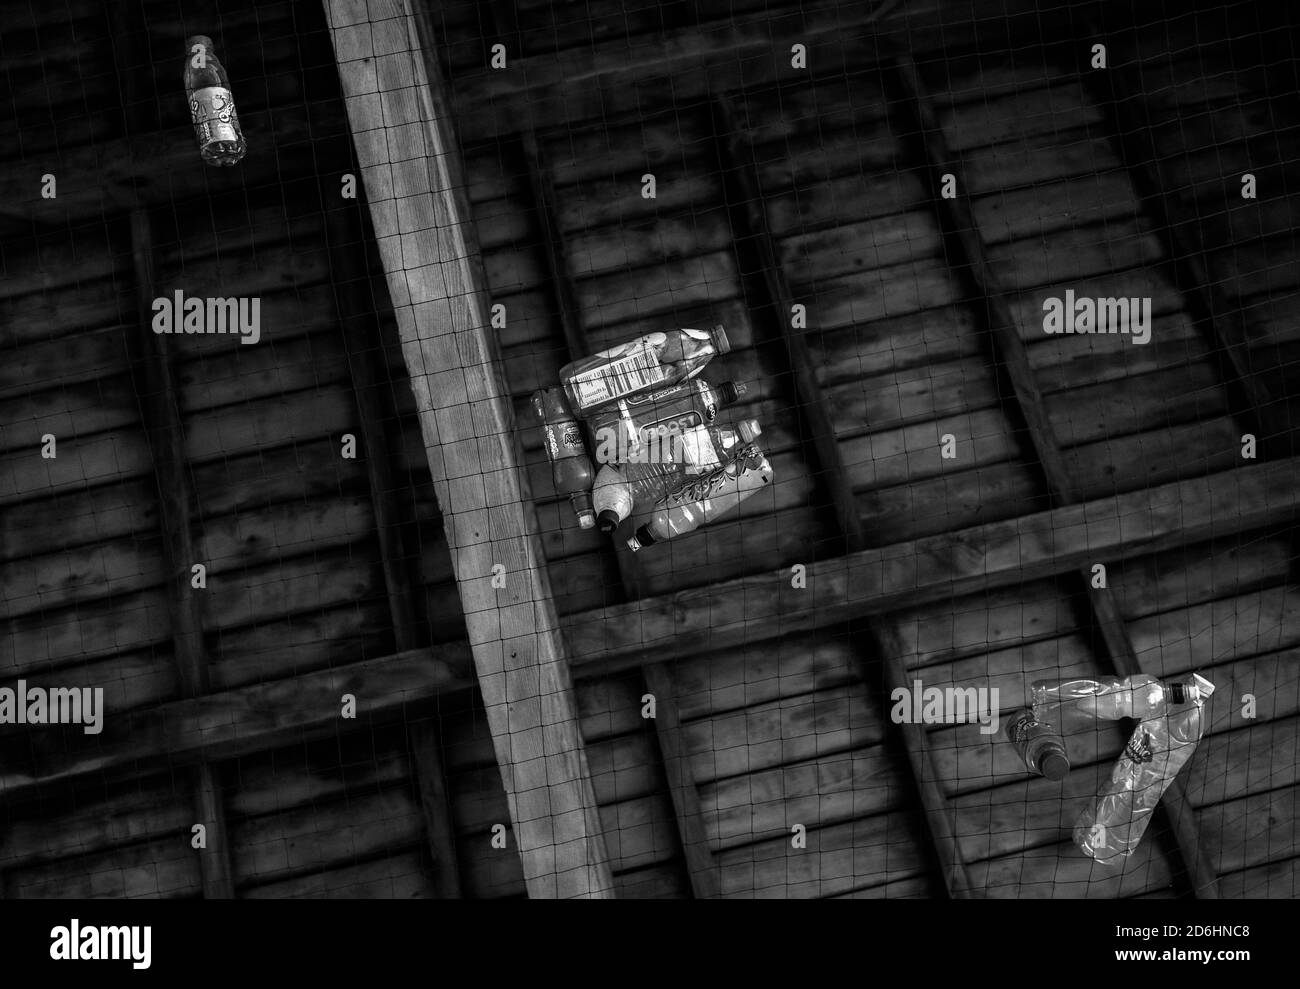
x=401 y=126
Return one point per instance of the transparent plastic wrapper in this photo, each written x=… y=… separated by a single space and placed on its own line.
x=652 y=362
x=1170 y=724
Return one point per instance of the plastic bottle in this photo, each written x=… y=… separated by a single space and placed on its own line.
x=647 y=363
x=1071 y=704
x=646 y=426
x=706 y=498
x=644 y=484
x=212 y=108
x=1111 y=826
x=612 y=497
x=570 y=466
x=707 y=447
x=1039 y=746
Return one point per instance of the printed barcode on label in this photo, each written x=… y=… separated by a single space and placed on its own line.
x=619 y=378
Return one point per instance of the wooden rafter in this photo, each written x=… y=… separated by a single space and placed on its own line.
x=403 y=134
x=701 y=866
x=813 y=409
x=1014 y=359
x=360 y=332
x=726 y=54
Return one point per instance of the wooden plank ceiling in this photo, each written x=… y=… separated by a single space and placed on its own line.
x=777 y=186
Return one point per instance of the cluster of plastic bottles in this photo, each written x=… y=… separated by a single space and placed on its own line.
x=1170 y=724
x=652 y=423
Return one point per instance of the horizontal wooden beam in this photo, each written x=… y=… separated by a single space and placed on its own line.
x=936 y=568
x=725 y=55
x=238 y=722
x=157 y=168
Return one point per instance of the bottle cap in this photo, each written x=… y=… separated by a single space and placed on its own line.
x=719 y=334
x=749 y=430
x=729 y=391
x=607 y=521
x=581 y=501
x=1055 y=766
x=643 y=538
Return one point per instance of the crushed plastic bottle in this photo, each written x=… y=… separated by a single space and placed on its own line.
x=1073 y=704
x=706 y=498
x=1110 y=828
x=652 y=362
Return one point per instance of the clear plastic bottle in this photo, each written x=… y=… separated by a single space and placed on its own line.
x=1111 y=826
x=647 y=426
x=570 y=466
x=212 y=108
x=654 y=361
x=612 y=497
x=1039 y=745
x=1072 y=704
x=624 y=488
x=706 y=498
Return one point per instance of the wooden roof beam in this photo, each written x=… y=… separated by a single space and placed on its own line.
x=409 y=161
x=359 y=328
x=935 y=568
x=739 y=162
x=718 y=56
x=232 y=723
x=1014 y=358
x=701 y=865
x=1184 y=235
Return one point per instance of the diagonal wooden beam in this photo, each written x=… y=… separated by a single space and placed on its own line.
x=1183 y=234
x=659 y=678
x=740 y=162
x=405 y=144
x=1014 y=358
x=359 y=327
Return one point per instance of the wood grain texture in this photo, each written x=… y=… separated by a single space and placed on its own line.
x=401 y=128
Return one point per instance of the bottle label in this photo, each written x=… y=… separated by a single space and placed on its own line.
x=1019 y=729
x=563 y=439
x=1139 y=749
x=212 y=110
x=634 y=373
x=698 y=449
